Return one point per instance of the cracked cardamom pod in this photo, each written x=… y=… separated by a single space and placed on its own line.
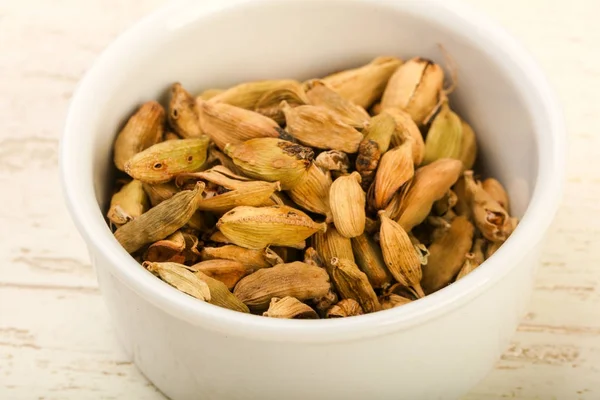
x=345 y=308
x=364 y=85
x=159 y=222
x=246 y=95
x=289 y=308
x=180 y=278
x=392 y=300
x=352 y=283
x=395 y=169
x=295 y=279
x=178 y=247
x=400 y=255
x=272 y=160
x=333 y=160
x=429 y=184
x=254 y=259
x=227 y=271
x=319 y=94
x=495 y=189
x=415 y=87
x=220 y=295
x=142 y=130
x=347 y=202
x=330 y=244
x=270 y=104
x=254 y=193
x=407 y=131
x=370 y=261
x=308 y=123
x=225 y=124
x=375 y=143
x=161 y=162
x=447 y=255
x=445 y=136
x=490 y=217
x=183 y=114
x=259 y=227
x=312 y=193
x=128 y=203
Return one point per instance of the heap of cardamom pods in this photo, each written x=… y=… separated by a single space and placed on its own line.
x=289 y=199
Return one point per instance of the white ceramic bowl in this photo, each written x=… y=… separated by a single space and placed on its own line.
x=434 y=348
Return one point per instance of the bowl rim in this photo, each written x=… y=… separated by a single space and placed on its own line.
x=79 y=193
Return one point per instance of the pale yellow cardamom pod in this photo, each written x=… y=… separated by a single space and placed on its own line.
x=220 y=295
x=445 y=136
x=308 y=124
x=254 y=259
x=352 y=283
x=216 y=156
x=429 y=184
x=270 y=104
x=128 y=203
x=331 y=244
x=272 y=160
x=289 y=308
x=447 y=255
x=403 y=260
x=259 y=227
x=393 y=300
x=319 y=94
x=364 y=85
x=163 y=161
x=375 y=143
x=227 y=271
x=347 y=201
x=247 y=95
x=160 y=221
x=395 y=169
x=407 y=131
x=370 y=261
x=333 y=160
x=225 y=124
x=495 y=189
x=183 y=114
x=143 y=129
x=415 y=87
x=253 y=193
x=180 y=278
x=312 y=193
x=345 y=308
x=209 y=94
x=296 y=279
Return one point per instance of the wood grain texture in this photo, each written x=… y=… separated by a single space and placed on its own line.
x=51 y=349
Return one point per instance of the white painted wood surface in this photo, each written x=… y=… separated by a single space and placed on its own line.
x=56 y=341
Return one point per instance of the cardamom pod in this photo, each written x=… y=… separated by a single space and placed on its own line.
x=308 y=123
x=364 y=85
x=270 y=104
x=215 y=154
x=375 y=142
x=468 y=266
x=370 y=261
x=429 y=184
x=345 y=308
x=322 y=304
x=473 y=259
x=319 y=94
x=142 y=130
x=259 y=227
x=247 y=95
x=415 y=87
x=162 y=161
x=272 y=160
x=180 y=278
x=395 y=169
x=347 y=201
x=392 y=300
x=495 y=189
x=225 y=124
x=227 y=271
x=462 y=206
x=209 y=94
x=128 y=203
x=254 y=193
x=289 y=308
x=407 y=131
x=170 y=136
x=220 y=295
x=218 y=237
x=159 y=222
x=400 y=255
x=296 y=279
x=333 y=160
x=174 y=248
x=447 y=255
x=312 y=193
x=491 y=248
x=446 y=203
x=254 y=259
x=352 y=283
x=468 y=152
x=311 y=257
x=183 y=114
x=330 y=244
x=445 y=136
x=201 y=221
x=490 y=217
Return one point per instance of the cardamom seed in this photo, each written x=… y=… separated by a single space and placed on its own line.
x=347 y=201
x=289 y=308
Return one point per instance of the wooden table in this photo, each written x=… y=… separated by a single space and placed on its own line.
x=56 y=341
